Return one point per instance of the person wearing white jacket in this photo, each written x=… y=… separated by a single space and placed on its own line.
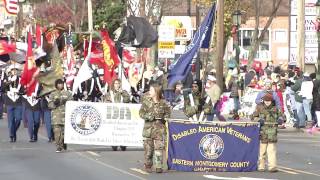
x=306 y=93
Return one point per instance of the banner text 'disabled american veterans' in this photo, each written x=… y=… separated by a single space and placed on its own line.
x=213 y=147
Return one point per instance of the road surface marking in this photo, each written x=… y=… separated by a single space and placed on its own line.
x=232 y=178
x=286 y=171
x=18 y=149
x=93 y=153
x=250 y=178
x=110 y=166
x=300 y=140
x=299 y=171
x=139 y=171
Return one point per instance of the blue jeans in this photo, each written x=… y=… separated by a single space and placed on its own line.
x=307 y=108
x=301 y=120
x=1 y=106
x=33 y=123
x=216 y=112
x=236 y=104
x=47 y=121
x=14 y=119
x=23 y=112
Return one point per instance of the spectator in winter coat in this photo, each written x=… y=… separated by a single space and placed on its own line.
x=268 y=89
x=316 y=99
x=298 y=99
x=306 y=93
x=279 y=94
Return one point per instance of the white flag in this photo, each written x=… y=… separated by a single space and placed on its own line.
x=85 y=73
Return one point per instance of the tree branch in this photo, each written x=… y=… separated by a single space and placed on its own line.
x=273 y=14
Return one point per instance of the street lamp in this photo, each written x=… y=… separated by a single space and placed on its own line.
x=156 y=21
x=318 y=35
x=236 y=19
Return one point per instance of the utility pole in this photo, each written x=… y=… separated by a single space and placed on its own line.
x=19 y=21
x=220 y=39
x=301 y=34
x=189 y=8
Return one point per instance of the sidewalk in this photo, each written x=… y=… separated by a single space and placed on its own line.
x=302 y=130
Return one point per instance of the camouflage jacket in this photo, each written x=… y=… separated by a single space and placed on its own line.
x=208 y=106
x=151 y=111
x=116 y=97
x=269 y=118
x=189 y=110
x=58 y=109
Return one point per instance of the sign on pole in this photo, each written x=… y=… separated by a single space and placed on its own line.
x=166 y=42
x=311 y=42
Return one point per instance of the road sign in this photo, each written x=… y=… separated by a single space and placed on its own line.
x=166 y=45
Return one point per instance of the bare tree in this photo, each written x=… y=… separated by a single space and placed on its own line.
x=151 y=8
x=257 y=39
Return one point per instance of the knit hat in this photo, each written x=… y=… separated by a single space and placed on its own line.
x=211 y=78
x=198 y=83
x=268 y=97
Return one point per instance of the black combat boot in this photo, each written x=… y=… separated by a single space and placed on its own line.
x=123 y=148
x=65 y=147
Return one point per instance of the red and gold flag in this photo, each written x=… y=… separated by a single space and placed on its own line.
x=30 y=70
x=105 y=55
x=111 y=57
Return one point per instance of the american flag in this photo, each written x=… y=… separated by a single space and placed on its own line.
x=69 y=61
x=12 y=6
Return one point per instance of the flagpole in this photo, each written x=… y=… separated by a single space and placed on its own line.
x=86 y=60
x=90 y=23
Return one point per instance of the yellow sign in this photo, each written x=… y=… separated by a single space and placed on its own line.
x=166 y=45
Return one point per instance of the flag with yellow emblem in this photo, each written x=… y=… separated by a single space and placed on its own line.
x=30 y=70
x=105 y=55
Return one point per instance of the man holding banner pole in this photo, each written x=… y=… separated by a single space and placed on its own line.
x=192 y=103
x=57 y=102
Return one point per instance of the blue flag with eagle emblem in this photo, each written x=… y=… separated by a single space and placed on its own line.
x=182 y=67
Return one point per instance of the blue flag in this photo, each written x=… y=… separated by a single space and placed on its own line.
x=182 y=67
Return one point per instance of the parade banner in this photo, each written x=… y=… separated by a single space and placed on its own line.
x=110 y=124
x=213 y=147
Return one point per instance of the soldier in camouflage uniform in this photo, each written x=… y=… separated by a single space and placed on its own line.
x=269 y=116
x=154 y=111
x=116 y=95
x=193 y=110
x=57 y=102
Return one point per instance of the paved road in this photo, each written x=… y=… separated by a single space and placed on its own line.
x=299 y=158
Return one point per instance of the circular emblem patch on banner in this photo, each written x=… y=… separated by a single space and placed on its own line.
x=85 y=119
x=211 y=146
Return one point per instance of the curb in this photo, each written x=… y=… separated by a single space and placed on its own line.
x=302 y=130
x=312 y=132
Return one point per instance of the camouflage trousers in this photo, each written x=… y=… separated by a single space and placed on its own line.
x=155 y=145
x=58 y=131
